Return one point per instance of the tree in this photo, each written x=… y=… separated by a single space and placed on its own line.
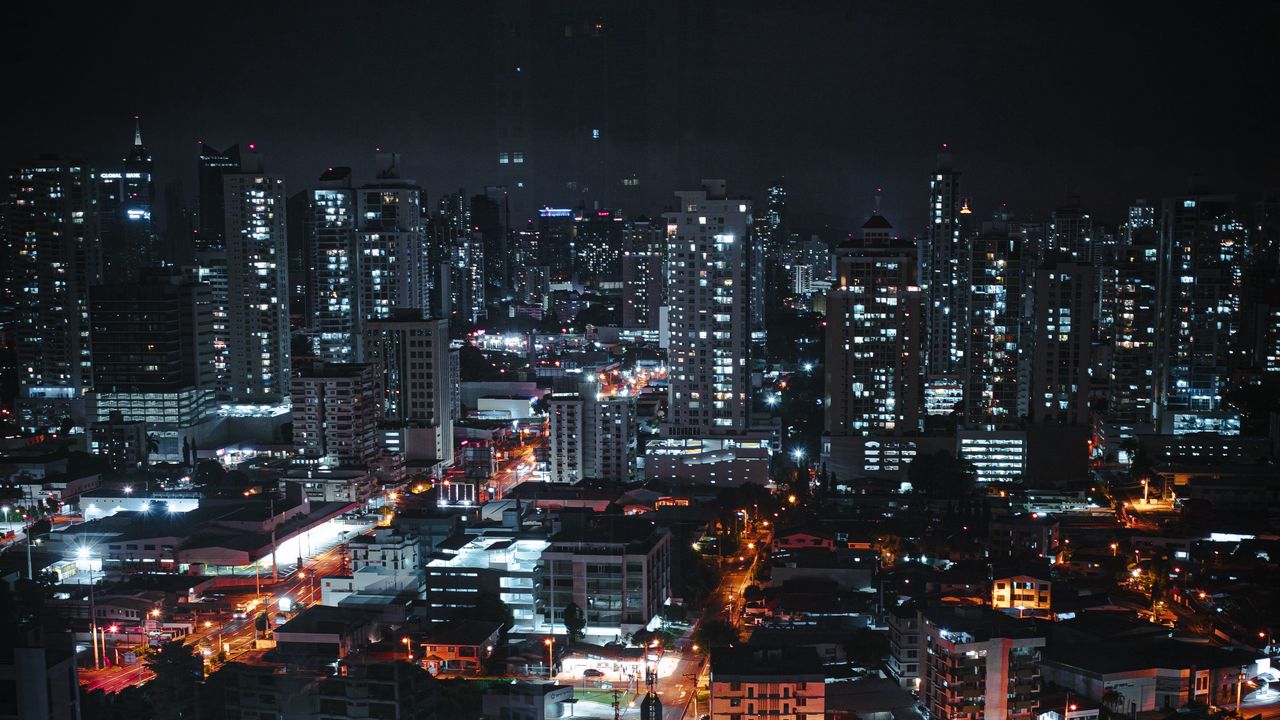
x=186 y=452
x=1114 y=701
x=153 y=447
x=489 y=606
x=715 y=633
x=941 y=475
x=752 y=593
x=172 y=692
x=575 y=622
x=64 y=428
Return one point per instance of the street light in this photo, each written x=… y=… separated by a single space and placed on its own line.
x=550 y=643
x=408 y=648
x=798 y=454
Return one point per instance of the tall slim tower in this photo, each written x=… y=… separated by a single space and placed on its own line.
x=257 y=283
x=992 y=319
x=942 y=273
x=1130 y=387
x=54 y=231
x=393 y=261
x=336 y=302
x=710 y=317
x=1063 y=338
x=214 y=163
x=1202 y=245
x=417 y=384
x=644 y=259
x=873 y=336
x=125 y=196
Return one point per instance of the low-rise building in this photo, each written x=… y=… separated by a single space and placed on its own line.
x=527 y=701
x=460 y=648
x=758 y=683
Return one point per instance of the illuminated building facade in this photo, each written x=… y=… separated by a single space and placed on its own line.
x=996 y=455
x=644 y=259
x=942 y=272
x=331 y=227
x=873 y=336
x=979 y=665
x=1202 y=254
x=710 y=316
x=257 y=284
x=54 y=232
x=1063 y=338
x=994 y=349
x=393 y=266
x=1130 y=389
x=335 y=412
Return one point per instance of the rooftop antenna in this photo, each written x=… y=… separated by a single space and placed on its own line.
x=137 y=131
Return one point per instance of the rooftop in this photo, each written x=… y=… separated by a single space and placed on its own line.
x=801 y=664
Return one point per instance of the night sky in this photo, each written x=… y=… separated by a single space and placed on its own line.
x=1035 y=99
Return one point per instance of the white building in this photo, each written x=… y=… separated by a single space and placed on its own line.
x=592 y=437
x=257 y=284
x=335 y=412
x=708 y=240
x=394 y=271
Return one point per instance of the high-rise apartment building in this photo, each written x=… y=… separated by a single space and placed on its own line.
x=125 y=196
x=257 y=284
x=1202 y=245
x=54 y=232
x=709 y=257
x=992 y=318
x=979 y=664
x=335 y=412
x=592 y=437
x=153 y=357
x=1062 y=336
x=644 y=259
x=942 y=273
x=393 y=263
x=338 y=323
x=1070 y=233
x=873 y=336
x=417 y=376
x=1130 y=388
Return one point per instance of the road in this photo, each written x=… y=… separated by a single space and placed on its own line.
x=236 y=634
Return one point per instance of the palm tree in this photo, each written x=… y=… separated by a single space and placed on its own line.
x=153 y=447
x=1114 y=701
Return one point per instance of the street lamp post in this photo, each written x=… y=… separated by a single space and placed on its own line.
x=83 y=554
x=551 y=644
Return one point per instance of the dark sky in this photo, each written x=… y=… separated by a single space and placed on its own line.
x=1110 y=100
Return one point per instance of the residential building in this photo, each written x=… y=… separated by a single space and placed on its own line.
x=644 y=275
x=335 y=412
x=503 y=563
x=122 y=443
x=336 y=301
x=392 y=267
x=214 y=163
x=53 y=229
x=527 y=701
x=942 y=279
x=418 y=384
x=1062 y=339
x=1130 y=387
x=257 y=284
x=459 y=648
x=708 y=240
x=979 y=664
x=992 y=326
x=592 y=437
x=756 y=683
x=904 y=645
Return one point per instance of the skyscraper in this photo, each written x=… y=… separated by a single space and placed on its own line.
x=942 y=274
x=644 y=257
x=873 y=336
x=417 y=393
x=257 y=283
x=1130 y=387
x=54 y=231
x=992 y=318
x=335 y=412
x=1070 y=233
x=393 y=263
x=709 y=257
x=125 y=196
x=331 y=227
x=1202 y=242
x=1062 y=338
x=214 y=164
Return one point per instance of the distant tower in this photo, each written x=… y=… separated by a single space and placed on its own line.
x=942 y=273
x=214 y=164
x=336 y=298
x=391 y=238
x=125 y=197
x=992 y=323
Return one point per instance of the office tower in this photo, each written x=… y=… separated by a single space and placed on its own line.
x=491 y=213
x=873 y=336
x=257 y=284
x=331 y=228
x=710 y=313
x=466 y=277
x=417 y=378
x=979 y=664
x=1133 y=346
x=153 y=357
x=993 y=318
x=1202 y=242
x=335 y=412
x=644 y=257
x=1062 y=339
x=592 y=437
x=125 y=196
x=597 y=243
x=54 y=231
x=393 y=269
x=180 y=226
x=214 y=164
x=749 y=683
x=942 y=273
x=773 y=231
x=555 y=240
x=1070 y=232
